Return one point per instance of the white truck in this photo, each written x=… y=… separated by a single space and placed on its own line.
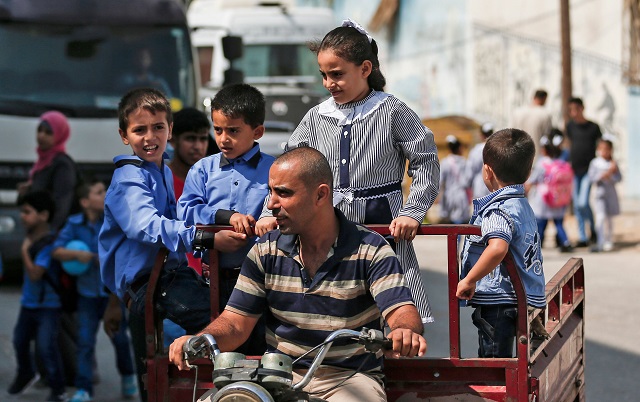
x=275 y=56
x=71 y=56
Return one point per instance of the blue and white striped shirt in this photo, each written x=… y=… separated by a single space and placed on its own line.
x=383 y=133
x=506 y=214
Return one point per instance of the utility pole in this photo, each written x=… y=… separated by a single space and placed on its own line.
x=631 y=42
x=565 y=44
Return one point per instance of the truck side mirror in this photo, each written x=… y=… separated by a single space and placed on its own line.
x=232 y=47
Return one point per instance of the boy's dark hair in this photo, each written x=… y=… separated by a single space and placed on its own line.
x=510 y=152
x=189 y=119
x=351 y=45
x=84 y=187
x=240 y=101
x=39 y=200
x=540 y=94
x=577 y=101
x=608 y=142
x=314 y=170
x=149 y=99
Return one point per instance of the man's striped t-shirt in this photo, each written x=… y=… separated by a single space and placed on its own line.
x=360 y=282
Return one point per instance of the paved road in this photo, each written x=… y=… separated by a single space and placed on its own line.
x=613 y=324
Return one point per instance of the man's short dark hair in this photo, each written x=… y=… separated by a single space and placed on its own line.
x=240 y=101
x=39 y=200
x=314 y=168
x=149 y=99
x=540 y=94
x=577 y=101
x=189 y=119
x=510 y=152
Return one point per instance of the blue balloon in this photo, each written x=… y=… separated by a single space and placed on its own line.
x=75 y=267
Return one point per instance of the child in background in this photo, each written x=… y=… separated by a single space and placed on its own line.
x=231 y=187
x=39 y=315
x=190 y=140
x=508 y=224
x=537 y=185
x=475 y=163
x=367 y=136
x=140 y=220
x=92 y=296
x=604 y=174
x=455 y=203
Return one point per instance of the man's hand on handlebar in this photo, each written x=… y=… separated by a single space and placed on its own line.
x=406 y=343
x=176 y=353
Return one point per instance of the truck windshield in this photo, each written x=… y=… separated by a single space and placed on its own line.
x=280 y=63
x=84 y=71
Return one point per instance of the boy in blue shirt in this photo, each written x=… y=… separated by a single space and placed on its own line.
x=230 y=186
x=92 y=296
x=140 y=219
x=39 y=315
x=508 y=224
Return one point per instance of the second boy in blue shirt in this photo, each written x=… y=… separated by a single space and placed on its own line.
x=231 y=186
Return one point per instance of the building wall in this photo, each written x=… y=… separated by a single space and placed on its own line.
x=485 y=58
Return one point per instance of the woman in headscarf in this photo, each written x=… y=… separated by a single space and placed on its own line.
x=54 y=170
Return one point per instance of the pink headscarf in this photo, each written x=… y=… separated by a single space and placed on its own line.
x=60 y=127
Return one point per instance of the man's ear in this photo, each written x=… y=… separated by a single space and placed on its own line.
x=123 y=137
x=324 y=192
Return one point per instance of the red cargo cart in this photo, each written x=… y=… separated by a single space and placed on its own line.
x=554 y=371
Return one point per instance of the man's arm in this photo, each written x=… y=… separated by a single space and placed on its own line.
x=230 y=330
x=406 y=332
x=491 y=257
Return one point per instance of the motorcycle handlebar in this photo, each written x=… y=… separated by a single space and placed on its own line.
x=200 y=346
x=372 y=339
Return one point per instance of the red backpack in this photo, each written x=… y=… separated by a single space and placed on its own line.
x=557 y=185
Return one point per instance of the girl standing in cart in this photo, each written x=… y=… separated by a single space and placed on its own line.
x=368 y=136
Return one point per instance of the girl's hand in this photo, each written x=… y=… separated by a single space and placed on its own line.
x=404 y=228
x=264 y=225
x=243 y=223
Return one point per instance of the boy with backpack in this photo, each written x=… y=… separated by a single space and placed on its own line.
x=551 y=185
x=39 y=316
x=92 y=294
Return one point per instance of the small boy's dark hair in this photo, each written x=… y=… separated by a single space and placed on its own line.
x=149 y=99
x=353 y=46
x=189 y=119
x=83 y=188
x=39 y=200
x=240 y=101
x=510 y=152
x=608 y=142
x=540 y=94
x=577 y=101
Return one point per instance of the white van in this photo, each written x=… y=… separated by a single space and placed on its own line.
x=275 y=56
